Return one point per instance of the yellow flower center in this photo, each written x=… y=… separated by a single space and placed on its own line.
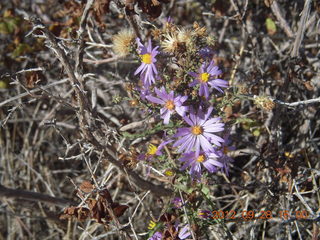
x=196 y=130
x=169 y=105
x=152 y=225
x=204 y=77
x=201 y=158
x=152 y=149
x=146 y=58
x=288 y=155
x=169 y=173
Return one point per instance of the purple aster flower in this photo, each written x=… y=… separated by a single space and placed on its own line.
x=184 y=232
x=169 y=20
x=206 y=53
x=177 y=202
x=156 y=236
x=170 y=104
x=147 y=69
x=222 y=153
x=208 y=160
x=200 y=133
x=204 y=214
x=144 y=92
x=206 y=76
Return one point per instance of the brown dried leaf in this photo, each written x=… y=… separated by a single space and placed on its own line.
x=68 y=212
x=167 y=218
x=119 y=210
x=86 y=187
x=309 y=86
x=99 y=212
x=92 y=203
x=82 y=213
x=171 y=233
x=104 y=193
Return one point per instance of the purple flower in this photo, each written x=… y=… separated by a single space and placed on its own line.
x=184 y=232
x=156 y=236
x=204 y=214
x=208 y=160
x=144 y=92
x=147 y=69
x=170 y=103
x=206 y=53
x=222 y=153
x=169 y=20
x=207 y=76
x=177 y=202
x=200 y=133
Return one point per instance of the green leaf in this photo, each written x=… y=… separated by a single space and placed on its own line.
x=12 y=24
x=3 y=85
x=9 y=25
x=21 y=49
x=184 y=188
x=256 y=133
x=271 y=26
x=206 y=191
x=3 y=28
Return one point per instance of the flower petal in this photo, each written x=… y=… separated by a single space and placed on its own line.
x=155 y=100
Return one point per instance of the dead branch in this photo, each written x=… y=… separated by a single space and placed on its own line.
x=34 y=196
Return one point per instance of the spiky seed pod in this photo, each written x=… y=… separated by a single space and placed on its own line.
x=169 y=28
x=211 y=41
x=264 y=103
x=123 y=41
x=156 y=33
x=185 y=36
x=199 y=31
x=170 y=43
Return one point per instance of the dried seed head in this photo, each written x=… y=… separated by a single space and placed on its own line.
x=211 y=41
x=133 y=102
x=156 y=33
x=170 y=43
x=199 y=31
x=242 y=89
x=185 y=36
x=122 y=42
x=264 y=103
x=169 y=28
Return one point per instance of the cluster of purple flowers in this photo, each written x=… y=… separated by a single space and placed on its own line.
x=183 y=233
x=198 y=142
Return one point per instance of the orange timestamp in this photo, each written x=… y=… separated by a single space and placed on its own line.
x=254 y=215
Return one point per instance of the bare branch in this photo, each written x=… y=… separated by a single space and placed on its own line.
x=283 y=23
x=302 y=27
x=34 y=196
